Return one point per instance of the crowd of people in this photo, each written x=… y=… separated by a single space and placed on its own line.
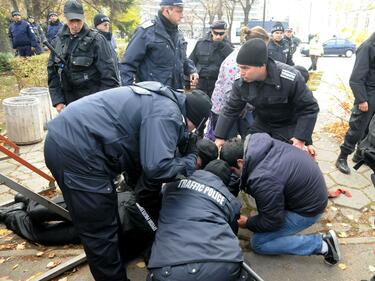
x=136 y=175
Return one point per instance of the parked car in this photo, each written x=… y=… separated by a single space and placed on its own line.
x=335 y=46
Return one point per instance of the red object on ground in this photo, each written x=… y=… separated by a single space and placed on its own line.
x=338 y=191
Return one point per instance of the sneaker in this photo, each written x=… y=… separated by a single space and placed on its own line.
x=333 y=255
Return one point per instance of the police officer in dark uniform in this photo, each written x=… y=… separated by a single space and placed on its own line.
x=362 y=83
x=157 y=51
x=278 y=47
x=39 y=34
x=284 y=107
x=54 y=25
x=209 y=53
x=84 y=63
x=135 y=129
x=195 y=212
x=22 y=36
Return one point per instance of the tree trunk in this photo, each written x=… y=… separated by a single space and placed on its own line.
x=4 y=38
x=14 y=5
x=29 y=8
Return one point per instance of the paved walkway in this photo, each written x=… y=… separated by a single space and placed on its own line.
x=352 y=217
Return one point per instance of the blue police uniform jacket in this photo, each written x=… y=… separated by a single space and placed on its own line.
x=280 y=51
x=196 y=223
x=53 y=29
x=122 y=129
x=281 y=178
x=21 y=34
x=153 y=56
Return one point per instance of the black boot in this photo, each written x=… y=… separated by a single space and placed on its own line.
x=342 y=164
x=4 y=211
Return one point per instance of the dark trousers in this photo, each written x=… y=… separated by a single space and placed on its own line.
x=314 y=62
x=92 y=204
x=24 y=51
x=204 y=271
x=358 y=124
x=282 y=133
x=206 y=85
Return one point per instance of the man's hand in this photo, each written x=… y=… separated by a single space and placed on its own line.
x=194 y=77
x=192 y=145
x=60 y=107
x=363 y=106
x=219 y=143
x=298 y=143
x=242 y=221
x=311 y=151
x=33 y=50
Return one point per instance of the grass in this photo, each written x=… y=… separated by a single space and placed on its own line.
x=9 y=88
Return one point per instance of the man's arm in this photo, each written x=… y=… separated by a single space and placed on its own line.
x=231 y=111
x=32 y=36
x=269 y=198
x=54 y=84
x=358 y=77
x=106 y=65
x=133 y=56
x=159 y=136
x=306 y=110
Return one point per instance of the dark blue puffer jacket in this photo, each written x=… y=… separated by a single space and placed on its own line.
x=281 y=177
x=53 y=29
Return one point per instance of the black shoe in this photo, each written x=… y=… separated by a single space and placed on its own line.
x=342 y=165
x=333 y=255
x=21 y=198
x=4 y=211
x=357 y=157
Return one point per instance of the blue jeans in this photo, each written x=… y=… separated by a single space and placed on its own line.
x=285 y=242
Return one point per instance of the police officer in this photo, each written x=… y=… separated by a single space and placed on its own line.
x=209 y=53
x=22 y=36
x=83 y=64
x=157 y=51
x=284 y=107
x=278 y=47
x=54 y=25
x=195 y=212
x=134 y=129
x=292 y=41
x=362 y=83
x=39 y=33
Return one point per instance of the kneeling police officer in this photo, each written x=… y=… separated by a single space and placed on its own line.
x=135 y=129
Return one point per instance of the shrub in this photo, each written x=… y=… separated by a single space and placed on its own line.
x=5 y=62
x=30 y=71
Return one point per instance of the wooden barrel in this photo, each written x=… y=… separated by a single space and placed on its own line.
x=23 y=119
x=45 y=101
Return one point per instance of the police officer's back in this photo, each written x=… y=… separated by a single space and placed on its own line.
x=209 y=53
x=84 y=62
x=195 y=212
x=157 y=51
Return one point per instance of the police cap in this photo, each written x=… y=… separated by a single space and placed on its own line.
x=220 y=24
x=179 y=3
x=73 y=10
x=16 y=13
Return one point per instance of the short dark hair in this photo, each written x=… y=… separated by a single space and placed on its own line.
x=207 y=151
x=231 y=151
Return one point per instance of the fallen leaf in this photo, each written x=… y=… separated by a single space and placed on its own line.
x=5 y=232
x=371 y=268
x=63 y=279
x=5 y=278
x=2 y=261
x=51 y=255
x=53 y=264
x=21 y=246
x=342 y=266
x=329 y=224
x=344 y=224
x=351 y=217
x=342 y=234
x=15 y=266
x=334 y=208
x=141 y=264
x=39 y=254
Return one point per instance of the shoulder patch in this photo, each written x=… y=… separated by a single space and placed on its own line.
x=288 y=75
x=147 y=24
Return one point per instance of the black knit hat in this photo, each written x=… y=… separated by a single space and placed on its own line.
x=221 y=169
x=305 y=74
x=198 y=106
x=278 y=26
x=207 y=151
x=253 y=52
x=100 y=18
